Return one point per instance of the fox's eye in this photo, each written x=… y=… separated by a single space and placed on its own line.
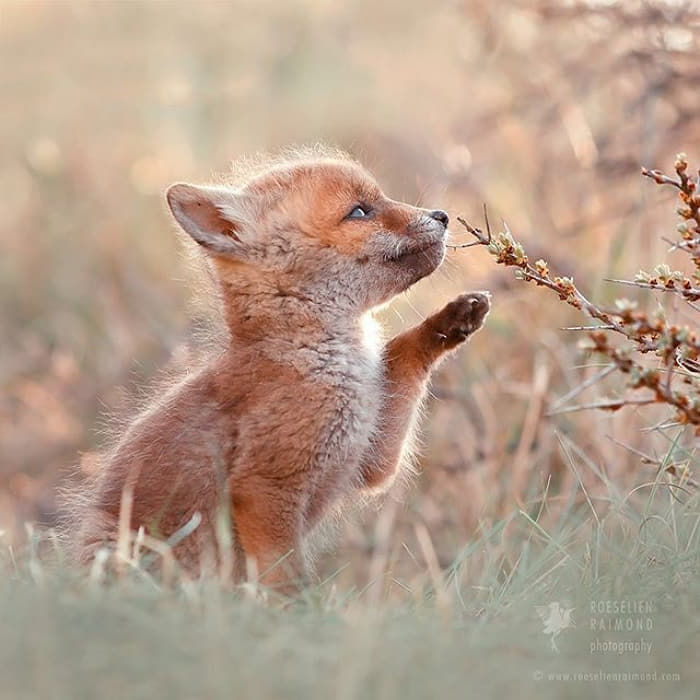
x=358 y=213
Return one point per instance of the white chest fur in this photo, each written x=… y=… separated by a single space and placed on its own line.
x=349 y=367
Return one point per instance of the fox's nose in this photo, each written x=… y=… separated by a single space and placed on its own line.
x=441 y=216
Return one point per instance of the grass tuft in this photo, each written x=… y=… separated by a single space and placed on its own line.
x=476 y=628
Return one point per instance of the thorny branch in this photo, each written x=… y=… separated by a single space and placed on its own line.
x=673 y=344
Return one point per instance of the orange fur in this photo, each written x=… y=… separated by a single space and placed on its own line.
x=301 y=410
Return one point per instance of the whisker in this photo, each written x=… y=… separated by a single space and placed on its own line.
x=412 y=307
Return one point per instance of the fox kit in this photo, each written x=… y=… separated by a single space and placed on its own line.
x=302 y=410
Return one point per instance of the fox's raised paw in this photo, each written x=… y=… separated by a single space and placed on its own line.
x=460 y=318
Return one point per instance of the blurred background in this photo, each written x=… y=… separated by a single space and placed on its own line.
x=545 y=111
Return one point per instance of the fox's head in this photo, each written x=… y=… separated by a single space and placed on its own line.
x=318 y=228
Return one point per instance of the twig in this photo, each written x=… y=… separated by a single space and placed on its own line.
x=480 y=238
x=660 y=179
x=614 y=405
x=646 y=459
x=585 y=385
x=689 y=291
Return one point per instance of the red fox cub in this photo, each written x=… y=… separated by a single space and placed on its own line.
x=303 y=409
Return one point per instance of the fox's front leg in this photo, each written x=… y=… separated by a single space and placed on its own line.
x=268 y=529
x=409 y=360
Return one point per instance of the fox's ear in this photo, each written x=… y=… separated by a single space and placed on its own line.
x=213 y=216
